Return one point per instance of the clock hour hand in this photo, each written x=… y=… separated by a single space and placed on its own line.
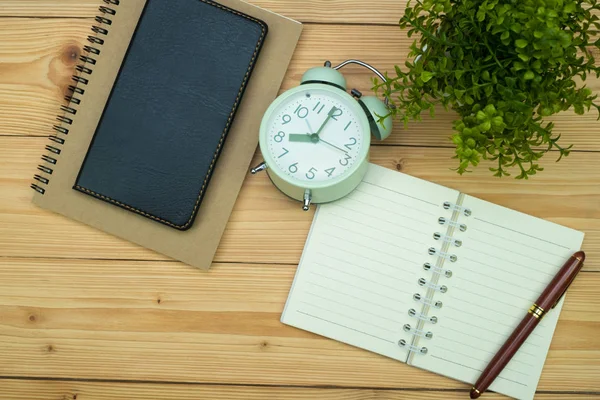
x=303 y=138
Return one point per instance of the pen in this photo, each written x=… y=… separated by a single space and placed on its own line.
x=547 y=300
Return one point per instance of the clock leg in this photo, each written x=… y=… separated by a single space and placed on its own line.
x=259 y=168
x=307 y=200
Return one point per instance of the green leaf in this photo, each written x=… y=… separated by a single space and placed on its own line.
x=426 y=76
x=489 y=91
x=490 y=110
x=485 y=126
x=521 y=43
x=569 y=8
x=459 y=93
x=528 y=75
x=457 y=140
x=517 y=67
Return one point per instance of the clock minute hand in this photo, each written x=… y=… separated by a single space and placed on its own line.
x=333 y=145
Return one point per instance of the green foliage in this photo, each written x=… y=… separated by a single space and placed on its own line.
x=502 y=65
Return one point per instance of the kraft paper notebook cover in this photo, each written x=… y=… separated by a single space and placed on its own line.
x=430 y=277
x=197 y=245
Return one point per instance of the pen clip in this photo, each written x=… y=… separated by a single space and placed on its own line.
x=561 y=296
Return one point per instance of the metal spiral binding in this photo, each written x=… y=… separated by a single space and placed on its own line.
x=446 y=221
x=66 y=119
x=438 y=288
x=455 y=207
x=418 y=332
x=433 y=285
x=437 y=270
x=427 y=301
x=410 y=347
x=435 y=252
x=447 y=239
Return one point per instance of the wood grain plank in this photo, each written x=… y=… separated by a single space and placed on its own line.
x=127 y=320
x=38 y=57
x=43 y=390
x=267 y=227
x=320 y=11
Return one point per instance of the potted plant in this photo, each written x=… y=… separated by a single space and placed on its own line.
x=503 y=66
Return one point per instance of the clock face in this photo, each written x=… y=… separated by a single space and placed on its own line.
x=317 y=135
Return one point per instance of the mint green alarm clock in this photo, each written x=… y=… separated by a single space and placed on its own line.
x=315 y=138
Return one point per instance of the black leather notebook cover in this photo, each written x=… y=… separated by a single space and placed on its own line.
x=170 y=109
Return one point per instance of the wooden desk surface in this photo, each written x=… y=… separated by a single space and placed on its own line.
x=84 y=315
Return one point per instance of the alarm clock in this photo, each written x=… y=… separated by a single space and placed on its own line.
x=315 y=138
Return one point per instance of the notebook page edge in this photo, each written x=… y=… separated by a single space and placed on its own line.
x=306 y=243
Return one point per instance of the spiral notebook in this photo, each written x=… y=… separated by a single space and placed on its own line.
x=430 y=277
x=161 y=121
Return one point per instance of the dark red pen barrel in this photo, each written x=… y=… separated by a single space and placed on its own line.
x=506 y=352
x=547 y=300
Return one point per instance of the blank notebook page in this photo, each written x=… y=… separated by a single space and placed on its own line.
x=360 y=266
x=364 y=257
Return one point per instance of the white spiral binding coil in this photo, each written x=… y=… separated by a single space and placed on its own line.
x=437 y=270
x=410 y=347
x=450 y=257
x=413 y=313
x=427 y=301
x=455 y=207
x=438 y=288
x=418 y=332
x=446 y=221
x=445 y=240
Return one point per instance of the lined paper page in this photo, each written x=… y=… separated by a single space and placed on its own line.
x=362 y=261
x=505 y=262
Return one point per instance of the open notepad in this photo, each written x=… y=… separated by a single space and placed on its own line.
x=429 y=276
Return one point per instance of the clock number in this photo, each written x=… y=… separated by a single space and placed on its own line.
x=352 y=143
x=286 y=119
x=320 y=109
x=346 y=160
x=293 y=168
x=347 y=126
x=311 y=173
x=302 y=112
x=285 y=152
x=330 y=171
x=337 y=113
x=279 y=137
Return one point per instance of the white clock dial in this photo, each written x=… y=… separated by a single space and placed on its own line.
x=315 y=136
